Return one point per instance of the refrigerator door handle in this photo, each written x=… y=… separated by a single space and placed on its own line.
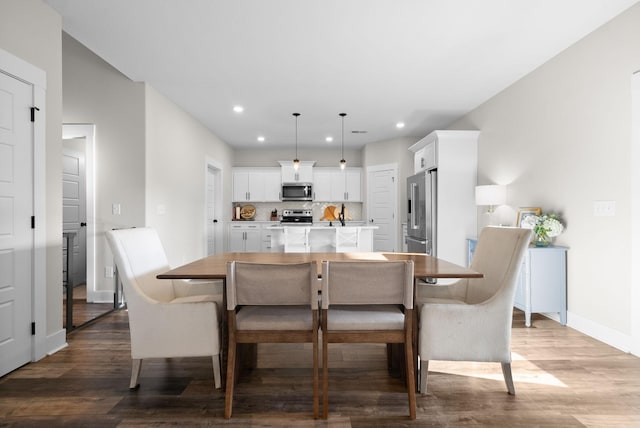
x=412 y=210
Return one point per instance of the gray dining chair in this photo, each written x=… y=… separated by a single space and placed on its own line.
x=367 y=302
x=271 y=303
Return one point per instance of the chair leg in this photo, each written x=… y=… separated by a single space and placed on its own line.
x=231 y=365
x=136 y=363
x=217 y=380
x=508 y=379
x=410 y=374
x=315 y=375
x=424 y=372
x=325 y=372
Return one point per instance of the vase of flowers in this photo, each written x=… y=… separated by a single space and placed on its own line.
x=545 y=227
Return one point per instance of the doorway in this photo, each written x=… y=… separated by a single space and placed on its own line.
x=81 y=301
x=382 y=206
x=213 y=241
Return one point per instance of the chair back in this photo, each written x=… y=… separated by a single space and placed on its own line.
x=367 y=282
x=272 y=284
x=498 y=256
x=139 y=257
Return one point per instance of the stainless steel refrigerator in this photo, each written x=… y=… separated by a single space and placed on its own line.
x=421 y=212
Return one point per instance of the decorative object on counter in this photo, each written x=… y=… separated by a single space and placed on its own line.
x=545 y=227
x=332 y=213
x=296 y=161
x=329 y=214
x=274 y=215
x=236 y=212
x=247 y=212
x=343 y=162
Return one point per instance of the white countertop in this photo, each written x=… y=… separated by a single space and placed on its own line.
x=323 y=226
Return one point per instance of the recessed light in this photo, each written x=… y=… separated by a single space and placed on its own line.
x=261 y=138
x=328 y=139
x=238 y=109
x=400 y=125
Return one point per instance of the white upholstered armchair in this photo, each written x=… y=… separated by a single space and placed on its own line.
x=470 y=320
x=166 y=318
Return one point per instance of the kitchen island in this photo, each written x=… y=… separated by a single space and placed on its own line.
x=322 y=238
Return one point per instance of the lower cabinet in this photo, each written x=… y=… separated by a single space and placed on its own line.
x=245 y=238
x=542 y=283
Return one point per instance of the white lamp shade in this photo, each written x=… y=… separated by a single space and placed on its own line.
x=493 y=194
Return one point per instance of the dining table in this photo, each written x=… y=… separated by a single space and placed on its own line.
x=424 y=267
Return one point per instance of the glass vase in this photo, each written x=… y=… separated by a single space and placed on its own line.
x=542 y=240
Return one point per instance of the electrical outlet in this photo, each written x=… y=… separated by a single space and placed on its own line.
x=108 y=271
x=115 y=209
x=604 y=208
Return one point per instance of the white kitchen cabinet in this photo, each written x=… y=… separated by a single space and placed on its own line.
x=304 y=173
x=542 y=282
x=251 y=185
x=353 y=185
x=266 y=237
x=322 y=184
x=337 y=185
x=245 y=238
x=424 y=158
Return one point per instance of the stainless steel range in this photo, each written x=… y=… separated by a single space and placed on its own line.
x=293 y=217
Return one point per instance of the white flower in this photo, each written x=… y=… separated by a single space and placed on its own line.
x=529 y=222
x=552 y=226
x=545 y=226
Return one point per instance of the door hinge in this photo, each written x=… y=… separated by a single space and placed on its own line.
x=33 y=328
x=33 y=113
x=33 y=222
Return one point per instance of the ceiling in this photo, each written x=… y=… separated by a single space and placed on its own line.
x=421 y=62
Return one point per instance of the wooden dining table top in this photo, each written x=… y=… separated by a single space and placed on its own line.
x=215 y=266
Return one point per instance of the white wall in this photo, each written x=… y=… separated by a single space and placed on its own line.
x=560 y=138
x=31 y=30
x=97 y=93
x=177 y=147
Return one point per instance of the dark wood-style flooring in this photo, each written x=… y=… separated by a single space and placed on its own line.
x=83 y=312
x=563 y=379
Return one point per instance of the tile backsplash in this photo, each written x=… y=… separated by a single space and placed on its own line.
x=263 y=209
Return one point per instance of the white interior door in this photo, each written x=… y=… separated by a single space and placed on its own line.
x=382 y=206
x=211 y=214
x=74 y=212
x=16 y=234
x=213 y=227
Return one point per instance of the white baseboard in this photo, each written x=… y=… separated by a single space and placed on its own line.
x=56 y=341
x=599 y=332
x=105 y=296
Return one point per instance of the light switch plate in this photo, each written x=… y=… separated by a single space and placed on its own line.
x=604 y=208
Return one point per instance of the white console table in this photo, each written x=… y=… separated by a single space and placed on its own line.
x=542 y=284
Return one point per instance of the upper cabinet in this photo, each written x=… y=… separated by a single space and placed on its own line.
x=427 y=151
x=337 y=185
x=304 y=173
x=256 y=185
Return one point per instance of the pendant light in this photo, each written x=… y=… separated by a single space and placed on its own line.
x=296 y=161
x=343 y=163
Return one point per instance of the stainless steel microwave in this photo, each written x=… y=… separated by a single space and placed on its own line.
x=297 y=192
